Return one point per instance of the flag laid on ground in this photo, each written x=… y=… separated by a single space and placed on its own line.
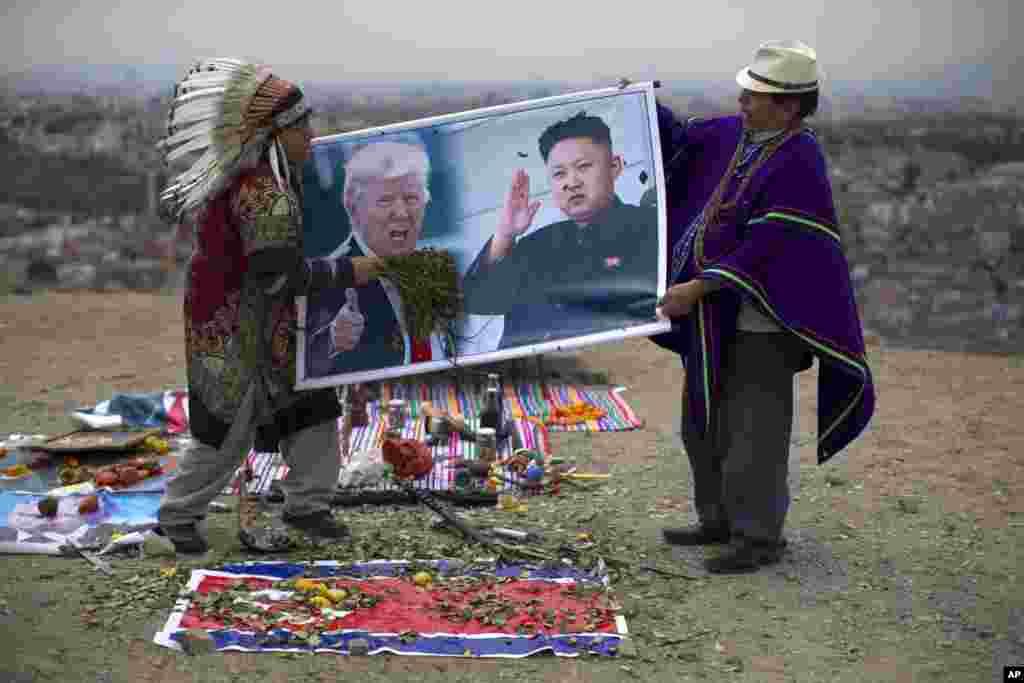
x=464 y=610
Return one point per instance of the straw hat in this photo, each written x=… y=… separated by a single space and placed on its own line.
x=781 y=66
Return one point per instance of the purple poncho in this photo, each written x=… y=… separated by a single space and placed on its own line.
x=779 y=248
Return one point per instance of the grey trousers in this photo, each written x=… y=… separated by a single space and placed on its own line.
x=740 y=482
x=312 y=456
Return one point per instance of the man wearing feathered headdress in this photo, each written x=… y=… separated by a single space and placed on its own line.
x=250 y=131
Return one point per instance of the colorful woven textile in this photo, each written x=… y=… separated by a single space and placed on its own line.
x=527 y=405
x=539 y=400
x=268 y=467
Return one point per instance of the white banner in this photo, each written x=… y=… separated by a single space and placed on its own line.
x=554 y=210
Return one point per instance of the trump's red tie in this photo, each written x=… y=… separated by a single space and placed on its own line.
x=420 y=350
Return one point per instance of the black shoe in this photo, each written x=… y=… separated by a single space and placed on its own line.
x=697 y=534
x=185 y=537
x=746 y=557
x=318 y=524
x=265 y=539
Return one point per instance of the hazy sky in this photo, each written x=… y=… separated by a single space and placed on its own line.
x=458 y=39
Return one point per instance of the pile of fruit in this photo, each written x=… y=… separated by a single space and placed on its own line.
x=71 y=471
x=15 y=471
x=39 y=462
x=48 y=506
x=410 y=458
x=127 y=473
x=575 y=413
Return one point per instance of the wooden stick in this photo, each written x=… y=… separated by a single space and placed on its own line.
x=346 y=424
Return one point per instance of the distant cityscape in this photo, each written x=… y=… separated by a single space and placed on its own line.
x=971 y=87
x=930 y=189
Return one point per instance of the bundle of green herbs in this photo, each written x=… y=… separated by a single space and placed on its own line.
x=428 y=282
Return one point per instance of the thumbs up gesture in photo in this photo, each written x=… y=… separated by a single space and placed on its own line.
x=347 y=326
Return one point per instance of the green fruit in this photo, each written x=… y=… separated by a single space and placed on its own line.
x=48 y=507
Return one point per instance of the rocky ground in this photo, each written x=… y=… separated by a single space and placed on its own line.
x=905 y=552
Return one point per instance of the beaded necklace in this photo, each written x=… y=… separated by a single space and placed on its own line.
x=715 y=206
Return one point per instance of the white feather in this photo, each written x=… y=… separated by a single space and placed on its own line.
x=191 y=131
x=275 y=163
x=191 y=146
x=198 y=81
x=282 y=159
x=194 y=95
x=196 y=111
x=211 y=97
x=197 y=169
x=228 y=63
x=200 y=191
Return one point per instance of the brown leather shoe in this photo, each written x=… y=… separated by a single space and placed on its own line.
x=267 y=539
x=698 y=534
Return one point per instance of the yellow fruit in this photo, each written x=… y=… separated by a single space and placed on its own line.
x=320 y=602
x=308 y=586
x=157 y=444
x=336 y=596
x=16 y=470
x=422 y=579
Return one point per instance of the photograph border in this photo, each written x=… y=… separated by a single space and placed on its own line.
x=644 y=330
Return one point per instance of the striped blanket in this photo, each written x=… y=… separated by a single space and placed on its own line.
x=526 y=406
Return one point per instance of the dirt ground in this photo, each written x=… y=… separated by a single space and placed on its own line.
x=905 y=552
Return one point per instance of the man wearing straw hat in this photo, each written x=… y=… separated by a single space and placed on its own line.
x=759 y=286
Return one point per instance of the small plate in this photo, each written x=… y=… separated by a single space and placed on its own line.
x=90 y=441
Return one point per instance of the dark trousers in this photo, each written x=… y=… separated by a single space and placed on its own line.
x=740 y=478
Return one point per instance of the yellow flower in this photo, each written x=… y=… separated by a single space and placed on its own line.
x=308 y=586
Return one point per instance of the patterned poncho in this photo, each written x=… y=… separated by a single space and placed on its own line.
x=236 y=331
x=775 y=245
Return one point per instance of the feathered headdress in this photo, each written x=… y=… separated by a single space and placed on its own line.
x=225 y=113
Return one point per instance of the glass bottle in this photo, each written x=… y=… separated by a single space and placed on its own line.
x=487 y=445
x=491 y=416
x=396 y=416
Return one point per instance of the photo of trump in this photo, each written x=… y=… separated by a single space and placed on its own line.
x=385 y=196
x=551 y=211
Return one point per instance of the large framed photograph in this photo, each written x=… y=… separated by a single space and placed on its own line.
x=553 y=210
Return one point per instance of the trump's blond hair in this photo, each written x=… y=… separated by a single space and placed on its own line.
x=383 y=161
